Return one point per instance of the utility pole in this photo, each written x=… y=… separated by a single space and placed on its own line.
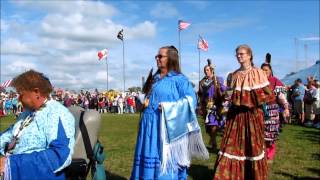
x=306 y=54
x=296 y=52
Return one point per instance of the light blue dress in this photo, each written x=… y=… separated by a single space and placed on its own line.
x=147 y=158
x=45 y=146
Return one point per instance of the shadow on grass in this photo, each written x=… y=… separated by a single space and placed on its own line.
x=297 y=177
x=111 y=176
x=309 y=134
x=315 y=171
x=315 y=156
x=200 y=172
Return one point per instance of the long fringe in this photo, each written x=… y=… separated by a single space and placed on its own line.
x=174 y=155
x=197 y=148
x=7 y=170
x=180 y=152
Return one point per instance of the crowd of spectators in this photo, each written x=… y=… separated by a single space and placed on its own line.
x=102 y=102
x=304 y=101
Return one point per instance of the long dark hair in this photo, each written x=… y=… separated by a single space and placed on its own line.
x=173 y=58
x=173 y=65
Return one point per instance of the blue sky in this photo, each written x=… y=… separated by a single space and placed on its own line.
x=61 y=38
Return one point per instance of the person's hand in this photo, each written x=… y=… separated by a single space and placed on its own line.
x=286 y=113
x=210 y=105
x=160 y=107
x=2 y=164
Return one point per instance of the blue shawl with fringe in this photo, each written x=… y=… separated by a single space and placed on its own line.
x=181 y=137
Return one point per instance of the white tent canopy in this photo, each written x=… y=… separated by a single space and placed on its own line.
x=313 y=70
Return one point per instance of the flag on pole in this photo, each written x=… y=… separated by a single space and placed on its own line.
x=203 y=44
x=102 y=54
x=120 y=35
x=183 y=25
x=6 y=84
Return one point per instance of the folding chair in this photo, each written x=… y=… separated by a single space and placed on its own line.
x=88 y=152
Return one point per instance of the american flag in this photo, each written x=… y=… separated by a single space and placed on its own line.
x=102 y=54
x=183 y=25
x=6 y=84
x=203 y=44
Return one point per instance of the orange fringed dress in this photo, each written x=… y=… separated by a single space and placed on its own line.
x=242 y=154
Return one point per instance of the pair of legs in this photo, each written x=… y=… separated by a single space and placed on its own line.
x=120 y=109
x=299 y=109
x=301 y=118
x=271 y=150
x=212 y=131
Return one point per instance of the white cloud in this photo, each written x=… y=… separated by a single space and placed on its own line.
x=201 y=5
x=4 y=25
x=72 y=81
x=76 y=31
x=80 y=58
x=61 y=39
x=146 y=29
x=164 y=10
x=77 y=27
x=18 y=66
x=15 y=47
x=66 y=44
x=102 y=76
x=16 y=27
x=314 y=38
x=86 y=8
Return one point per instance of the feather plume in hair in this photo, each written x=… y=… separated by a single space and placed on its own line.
x=268 y=58
x=148 y=84
x=209 y=62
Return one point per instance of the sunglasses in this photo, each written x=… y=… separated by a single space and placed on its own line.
x=240 y=54
x=159 y=56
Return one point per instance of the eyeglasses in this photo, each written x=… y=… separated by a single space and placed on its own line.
x=240 y=54
x=159 y=56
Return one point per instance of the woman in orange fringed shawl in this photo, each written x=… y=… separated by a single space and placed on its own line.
x=242 y=151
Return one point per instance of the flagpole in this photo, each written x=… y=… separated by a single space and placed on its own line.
x=199 y=63
x=124 y=79
x=199 y=54
x=0 y=71
x=107 y=75
x=179 y=48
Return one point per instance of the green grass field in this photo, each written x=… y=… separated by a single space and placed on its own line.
x=297 y=157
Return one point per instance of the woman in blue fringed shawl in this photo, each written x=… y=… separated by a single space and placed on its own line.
x=169 y=134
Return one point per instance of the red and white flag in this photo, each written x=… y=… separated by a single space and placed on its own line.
x=6 y=84
x=103 y=54
x=183 y=25
x=203 y=44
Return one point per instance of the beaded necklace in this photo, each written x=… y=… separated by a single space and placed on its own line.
x=18 y=131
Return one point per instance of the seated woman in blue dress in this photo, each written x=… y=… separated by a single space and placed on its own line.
x=169 y=134
x=40 y=144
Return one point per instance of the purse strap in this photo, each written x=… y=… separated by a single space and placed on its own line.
x=86 y=141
